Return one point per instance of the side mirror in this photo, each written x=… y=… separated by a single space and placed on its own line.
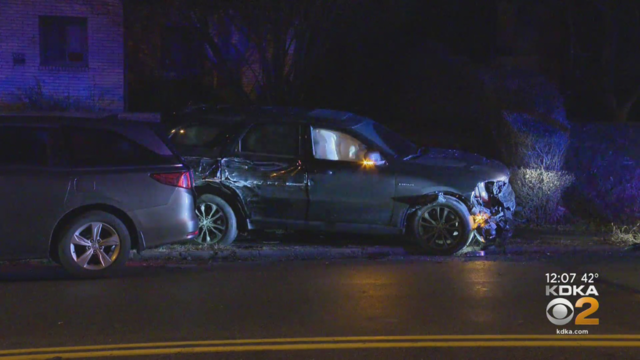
x=374 y=158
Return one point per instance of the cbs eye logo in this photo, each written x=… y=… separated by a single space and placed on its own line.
x=560 y=311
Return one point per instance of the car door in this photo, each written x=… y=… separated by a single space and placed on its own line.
x=32 y=188
x=342 y=188
x=265 y=166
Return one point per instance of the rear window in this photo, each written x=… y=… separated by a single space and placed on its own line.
x=195 y=135
x=26 y=145
x=92 y=147
x=272 y=139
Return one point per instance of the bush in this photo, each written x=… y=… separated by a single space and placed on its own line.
x=34 y=98
x=525 y=91
x=526 y=142
x=536 y=152
x=529 y=124
x=626 y=235
x=605 y=159
x=531 y=130
x=539 y=195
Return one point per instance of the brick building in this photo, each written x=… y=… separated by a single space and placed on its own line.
x=63 y=50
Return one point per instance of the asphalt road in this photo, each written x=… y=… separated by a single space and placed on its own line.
x=314 y=309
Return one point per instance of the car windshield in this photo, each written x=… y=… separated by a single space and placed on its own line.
x=387 y=139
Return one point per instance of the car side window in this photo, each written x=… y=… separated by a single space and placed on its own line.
x=272 y=139
x=195 y=135
x=91 y=147
x=26 y=145
x=336 y=146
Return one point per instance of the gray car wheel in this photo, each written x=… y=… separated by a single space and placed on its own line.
x=442 y=227
x=94 y=244
x=217 y=221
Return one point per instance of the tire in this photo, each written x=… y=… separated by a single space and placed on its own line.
x=77 y=241
x=453 y=233
x=218 y=224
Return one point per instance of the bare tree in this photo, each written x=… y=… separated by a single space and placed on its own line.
x=601 y=53
x=264 y=49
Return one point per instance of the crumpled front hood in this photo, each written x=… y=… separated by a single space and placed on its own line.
x=447 y=157
x=436 y=157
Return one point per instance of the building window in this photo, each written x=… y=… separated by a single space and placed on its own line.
x=63 y=41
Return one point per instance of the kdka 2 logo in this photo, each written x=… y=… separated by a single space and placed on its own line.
x=561 y=311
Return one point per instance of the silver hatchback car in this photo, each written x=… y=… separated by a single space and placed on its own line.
x=84 y=192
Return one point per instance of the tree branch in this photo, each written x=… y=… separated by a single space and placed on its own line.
x=202 y=30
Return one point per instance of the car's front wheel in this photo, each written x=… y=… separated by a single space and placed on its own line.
x=443 y=227
x=217 y=221
x=94 y=244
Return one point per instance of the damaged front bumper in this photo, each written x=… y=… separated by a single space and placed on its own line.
x=493 y=204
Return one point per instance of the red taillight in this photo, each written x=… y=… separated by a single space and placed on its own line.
x=180 y=179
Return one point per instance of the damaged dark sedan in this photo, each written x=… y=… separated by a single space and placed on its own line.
x=326 y=170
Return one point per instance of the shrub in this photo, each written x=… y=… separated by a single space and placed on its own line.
x=536 y=152
x=525 y=91
x=529 y=122
x=526 y=142
x=626 y=235
x=531 y=130
x=34 y=98
x=539 y=195
x=605 y=159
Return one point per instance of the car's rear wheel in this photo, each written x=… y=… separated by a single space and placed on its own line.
x=443 y=227
x=217 y=221
x=93 y=245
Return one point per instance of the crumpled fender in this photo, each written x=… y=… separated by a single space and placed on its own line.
x=418 y=201
x=428 y=198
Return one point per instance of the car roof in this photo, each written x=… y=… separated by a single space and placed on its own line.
x=136 y=130
x=334 y=118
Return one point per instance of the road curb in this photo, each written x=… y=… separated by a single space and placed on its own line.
x=374 y=252
x=289 y=253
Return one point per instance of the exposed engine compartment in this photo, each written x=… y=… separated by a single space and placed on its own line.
x=493 y=206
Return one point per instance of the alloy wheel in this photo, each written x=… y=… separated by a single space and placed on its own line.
x=213 y=223
x=95 y=246
x=441 y=227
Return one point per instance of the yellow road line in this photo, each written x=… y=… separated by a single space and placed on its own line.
x=323 y=346
x=320 y=340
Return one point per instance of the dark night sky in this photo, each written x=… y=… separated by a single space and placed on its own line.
x=386 y=51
